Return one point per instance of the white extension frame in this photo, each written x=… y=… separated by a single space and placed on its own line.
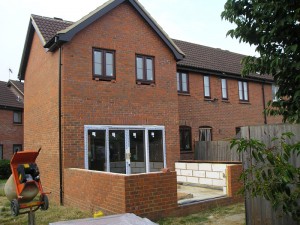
x=146 y=128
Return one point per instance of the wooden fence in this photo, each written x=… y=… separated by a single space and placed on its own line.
x=216 y=151
x=258 y=210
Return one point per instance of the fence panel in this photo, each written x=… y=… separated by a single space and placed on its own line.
x=216 y=151
x=258 y=210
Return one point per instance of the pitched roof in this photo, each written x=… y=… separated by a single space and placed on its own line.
x=7 y=98
x=213 y=59
x=55 y=32
x=47 y=27
x=18 y=85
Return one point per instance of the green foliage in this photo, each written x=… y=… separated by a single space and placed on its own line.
x=273 y=26
x=5 y=170
x=271 y=175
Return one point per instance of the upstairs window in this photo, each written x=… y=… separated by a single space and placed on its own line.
x=274 y=92
x=205 y=133
x=104 y=64
x=224 y=89
x=206 y=86
x=182 y=82
x=144 y=69
x=243 y=91
x=185 y=138
x=17 y=117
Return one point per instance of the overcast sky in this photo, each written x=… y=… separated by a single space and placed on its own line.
x=196 y=21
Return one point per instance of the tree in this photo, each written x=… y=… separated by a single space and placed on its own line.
x=271 y=174
x=273 y=26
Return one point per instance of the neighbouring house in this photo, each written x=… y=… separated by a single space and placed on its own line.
x=11 y=118
x=102 y=95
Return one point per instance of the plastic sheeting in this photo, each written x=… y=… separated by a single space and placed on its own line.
x=120 y=219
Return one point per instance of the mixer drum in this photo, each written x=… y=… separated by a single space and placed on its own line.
x=29 y=192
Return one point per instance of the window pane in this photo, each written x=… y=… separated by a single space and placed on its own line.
x=184 y=82
x=96 y=150
x=178 y=82
x=17 y=148
x=117 y=151
x=274 y=92
x=156 y=150
x=241 y=90
x=139 y=67
x=149 y=64
x=137 y=149
x=245 y=91
x=98 y=63
x=109 y=64
x=206 y=86
x=204 y=134
x=185 y=138
x=17 y=117
x=224 y=89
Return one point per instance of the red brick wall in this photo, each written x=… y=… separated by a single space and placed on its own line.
x=141 y=194
x=41 y=113
x=90 y=102
x=222 y=116
x=233 y=183
x=10 y=133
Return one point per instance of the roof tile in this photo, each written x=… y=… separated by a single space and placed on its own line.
x=7 y=97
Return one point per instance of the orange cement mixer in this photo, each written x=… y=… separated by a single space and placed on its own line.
x=24 y=184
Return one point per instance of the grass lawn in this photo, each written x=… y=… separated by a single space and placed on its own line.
x=230 y=215
x=53 y=214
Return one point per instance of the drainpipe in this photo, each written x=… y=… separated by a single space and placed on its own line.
x=264 y=101
x=59 y=129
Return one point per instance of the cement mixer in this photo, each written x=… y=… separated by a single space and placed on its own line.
x=24 y=184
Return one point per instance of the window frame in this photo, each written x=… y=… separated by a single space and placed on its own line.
x=226 y=89
x=185 y=128
x=274 y=97
x=204 y=87
x=127 y=129
x=180 y=82
x=17 y=145
x=205 y=128
x=17 y=122
x=103 y=63
x=2 y=151
x=144 y=60
x=243 y=91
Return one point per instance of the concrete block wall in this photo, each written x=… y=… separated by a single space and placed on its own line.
x=207 y=174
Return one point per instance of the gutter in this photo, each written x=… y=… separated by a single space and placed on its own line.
x=60 y=130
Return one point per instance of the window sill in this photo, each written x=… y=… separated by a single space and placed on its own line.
x=111 y=79
x=210 y=99
x=186 y=152
x=18 y=124
x=184 y=93
x=145 y=83
x=244 y=102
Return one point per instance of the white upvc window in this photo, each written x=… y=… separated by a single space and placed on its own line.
x=124 y=149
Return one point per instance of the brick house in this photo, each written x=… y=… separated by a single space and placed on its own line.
x=102 y=95
x=11 y=118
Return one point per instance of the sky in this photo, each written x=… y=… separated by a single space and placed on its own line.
x=196 y=21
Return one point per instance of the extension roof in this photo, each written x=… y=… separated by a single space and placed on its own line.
x=8 y=100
